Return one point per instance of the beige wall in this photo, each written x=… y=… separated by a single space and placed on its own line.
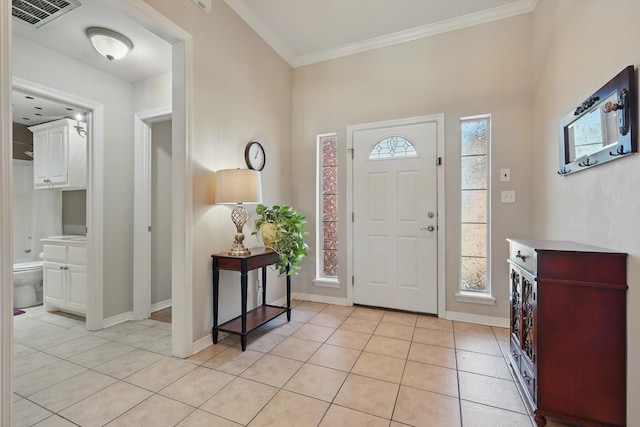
x=573 y=57
x=473 y=71
x=242 y=92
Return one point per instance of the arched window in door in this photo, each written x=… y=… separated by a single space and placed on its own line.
x=392 y=147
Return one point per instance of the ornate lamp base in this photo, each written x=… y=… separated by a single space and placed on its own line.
x=239 y=217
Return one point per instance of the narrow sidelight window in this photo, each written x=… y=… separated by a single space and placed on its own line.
x=475 y=136
x=327 y=236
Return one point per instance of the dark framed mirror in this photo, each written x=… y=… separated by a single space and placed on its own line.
x=603 y=127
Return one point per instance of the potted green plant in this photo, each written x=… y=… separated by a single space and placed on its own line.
x=282 y=229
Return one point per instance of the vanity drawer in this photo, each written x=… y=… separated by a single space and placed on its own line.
x=77 y=254
x=528 y=380
x=524 y=256
x=55 y=252
x=515 y=356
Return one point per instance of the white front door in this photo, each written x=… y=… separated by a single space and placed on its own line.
x=395 y=236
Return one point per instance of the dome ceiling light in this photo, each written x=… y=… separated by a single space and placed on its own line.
x=108 y=43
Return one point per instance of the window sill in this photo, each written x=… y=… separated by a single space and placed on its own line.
x=326 y=282
x=475 y=298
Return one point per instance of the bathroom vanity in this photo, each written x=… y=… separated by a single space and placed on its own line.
x=65 y=274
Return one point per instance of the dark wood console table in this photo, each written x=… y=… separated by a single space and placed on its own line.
x=247 y=321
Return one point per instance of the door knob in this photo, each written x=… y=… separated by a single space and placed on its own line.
x=430 y=228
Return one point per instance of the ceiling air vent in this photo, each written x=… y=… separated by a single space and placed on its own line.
x=38 y=12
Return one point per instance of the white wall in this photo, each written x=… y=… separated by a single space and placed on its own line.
x=242 y=92
x=43 y=66
x=477 y=70
x=152 y=93
x=577 y=47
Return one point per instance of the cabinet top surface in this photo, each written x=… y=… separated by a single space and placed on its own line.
x=64 y=240
x=562 y=245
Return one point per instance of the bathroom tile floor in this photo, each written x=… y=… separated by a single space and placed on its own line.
x=330 y=366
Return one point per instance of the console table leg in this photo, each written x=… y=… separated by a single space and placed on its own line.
x=216 y=285
x=288 y=294
x=243 y=292
x=243 y=341
x=264 y=285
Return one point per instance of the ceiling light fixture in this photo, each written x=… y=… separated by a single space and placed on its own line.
x=108 y=43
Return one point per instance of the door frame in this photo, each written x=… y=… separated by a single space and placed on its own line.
x=182 y=229
x=440 y=174
x=95 y=191
x=181 y=167
x=142 y=122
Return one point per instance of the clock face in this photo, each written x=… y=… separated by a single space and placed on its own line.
x=254 y=156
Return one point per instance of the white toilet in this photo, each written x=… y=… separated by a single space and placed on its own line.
x=27 y=284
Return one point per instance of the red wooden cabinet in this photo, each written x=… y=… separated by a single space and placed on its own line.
x=568 y=330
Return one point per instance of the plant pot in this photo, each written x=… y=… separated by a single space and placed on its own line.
x=268 y=232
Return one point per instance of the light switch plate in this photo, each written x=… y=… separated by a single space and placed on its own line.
x=505 y=175
x=508 y=196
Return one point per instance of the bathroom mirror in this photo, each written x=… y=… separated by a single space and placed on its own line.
x=602 y=128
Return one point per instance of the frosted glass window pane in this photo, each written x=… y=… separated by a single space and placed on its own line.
x=330 y=180
x=329 y=207
x=474 y=137
x=393 y=146
x=330 y=260
x=474 y=206
x=329 y=152
x=474 y=272
x=474 y=240
x=474 y=172
x=330 y=232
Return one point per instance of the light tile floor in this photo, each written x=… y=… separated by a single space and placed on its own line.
x=330 y=366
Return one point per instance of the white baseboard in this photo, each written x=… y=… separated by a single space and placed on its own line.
x=499 y=322
x=117 y=319
x=160 y=305
x=310 y=297
x=201 y=344
x=318 y=298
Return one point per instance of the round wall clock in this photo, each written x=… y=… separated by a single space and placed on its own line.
x=254 y=156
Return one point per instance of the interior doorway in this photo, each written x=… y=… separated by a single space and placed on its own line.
x=94 y=137
x=152 y=212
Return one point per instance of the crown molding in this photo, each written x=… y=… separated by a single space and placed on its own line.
x=470 y=20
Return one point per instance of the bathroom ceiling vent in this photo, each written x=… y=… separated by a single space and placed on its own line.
x=36 y=13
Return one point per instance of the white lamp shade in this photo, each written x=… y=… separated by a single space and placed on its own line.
x=238 y=186
x=108 y=43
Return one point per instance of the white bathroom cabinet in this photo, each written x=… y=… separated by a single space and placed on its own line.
x=65 y=274
x=59 y=155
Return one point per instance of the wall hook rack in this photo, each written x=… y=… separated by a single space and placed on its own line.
x=586 y=163
x=619 y=151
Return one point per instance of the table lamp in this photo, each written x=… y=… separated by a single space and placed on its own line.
x=238 y=186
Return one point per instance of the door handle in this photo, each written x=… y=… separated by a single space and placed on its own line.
x=429 y=228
